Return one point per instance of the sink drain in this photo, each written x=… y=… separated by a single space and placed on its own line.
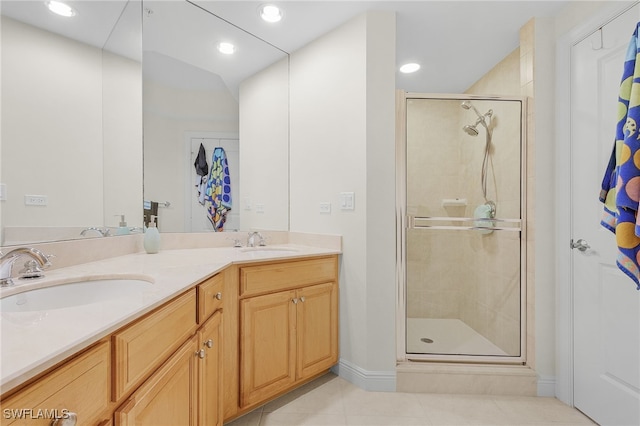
x=426 y=340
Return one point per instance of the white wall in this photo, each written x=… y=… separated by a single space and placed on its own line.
x=264 y=156
x=342 y=140
x=122 y=133
x=51 y=128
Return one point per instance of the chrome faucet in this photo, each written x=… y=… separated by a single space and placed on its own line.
x=7 y=260
x=251 y=240
x=104 y=232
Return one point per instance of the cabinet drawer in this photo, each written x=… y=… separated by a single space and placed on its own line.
x=272 y=277
x=80 y=386
x=210 y=297
x=168 y=397
x=140 y=348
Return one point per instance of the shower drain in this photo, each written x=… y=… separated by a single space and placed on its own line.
x=426 y=340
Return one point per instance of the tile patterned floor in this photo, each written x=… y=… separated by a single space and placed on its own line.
x=332 y=401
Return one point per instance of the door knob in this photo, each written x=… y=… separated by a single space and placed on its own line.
x=581 y=245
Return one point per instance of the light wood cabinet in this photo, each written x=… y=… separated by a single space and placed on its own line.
x=317 y=329
x=80 y=386
x=141 y=347
x=168 y=396
x=210 y=294
x=286 y=336
x=210 y=353
x=267 y=346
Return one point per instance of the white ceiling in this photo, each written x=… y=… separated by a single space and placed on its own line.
x=455 y=41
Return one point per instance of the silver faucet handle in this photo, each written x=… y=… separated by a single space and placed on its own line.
x=263 y=240
x=31 y=270
x=236 y=241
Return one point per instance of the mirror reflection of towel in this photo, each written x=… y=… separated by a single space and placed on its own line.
x=202 y=170
x=217 y=198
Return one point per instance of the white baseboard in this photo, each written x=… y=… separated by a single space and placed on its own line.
x=374 y=381
x=547 y=386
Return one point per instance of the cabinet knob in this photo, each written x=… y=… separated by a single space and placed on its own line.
x=295 y=301
x=208 y=343
x=200 y=354
x=70 y=419
x=218 y=296
x=302 y=299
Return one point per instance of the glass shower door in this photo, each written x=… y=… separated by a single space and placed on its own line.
x=463 y=236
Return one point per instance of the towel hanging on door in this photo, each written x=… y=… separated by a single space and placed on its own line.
x=202 y=170
x=621 y=183
x=217 y=198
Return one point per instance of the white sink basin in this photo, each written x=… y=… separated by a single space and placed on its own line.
x=269 y=249
x=74 y=294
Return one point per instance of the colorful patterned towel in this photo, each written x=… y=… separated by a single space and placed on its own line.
x=218 y=191
x=621 y=184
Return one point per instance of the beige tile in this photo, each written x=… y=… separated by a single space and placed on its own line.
x=250 y=419
x=463 y=410
x=322 y=396
x=302 y=419
x=537 y=410
x=387 y=421
x=396 y=408
x=358 y=402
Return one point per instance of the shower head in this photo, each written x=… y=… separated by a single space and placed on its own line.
x=471 y=129
x=466 y=105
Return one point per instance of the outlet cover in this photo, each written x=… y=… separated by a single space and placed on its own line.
x=3 y=191
x=325 y=207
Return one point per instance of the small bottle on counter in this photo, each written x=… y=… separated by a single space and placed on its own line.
x=122 y=227
x=151 y=240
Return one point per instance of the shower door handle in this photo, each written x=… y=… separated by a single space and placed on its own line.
x=581 y=245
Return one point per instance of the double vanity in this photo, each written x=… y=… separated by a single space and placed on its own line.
x=189 y=336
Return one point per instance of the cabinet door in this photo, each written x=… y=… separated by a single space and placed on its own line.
x=210 y=372
x=80 y=386
x=268 y=346
x=317 y=329
x=140 y=348
x=168 y=396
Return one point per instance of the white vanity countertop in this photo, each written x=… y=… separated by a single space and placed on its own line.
x=31 y=342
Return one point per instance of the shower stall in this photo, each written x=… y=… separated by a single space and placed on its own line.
x=461 y=234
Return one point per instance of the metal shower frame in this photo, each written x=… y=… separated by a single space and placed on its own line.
x=403 y=221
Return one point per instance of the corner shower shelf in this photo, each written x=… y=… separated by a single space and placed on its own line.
x=454 y=202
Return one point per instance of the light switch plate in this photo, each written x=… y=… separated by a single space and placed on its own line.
x=347 y=201
x=259 y=208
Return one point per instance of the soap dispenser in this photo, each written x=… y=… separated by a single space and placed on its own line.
x=152 y=237
x=122 y=228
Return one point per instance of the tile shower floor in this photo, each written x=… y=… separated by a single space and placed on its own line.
x=332 y=401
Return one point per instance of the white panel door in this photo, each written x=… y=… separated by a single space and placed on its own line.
x=606 y=303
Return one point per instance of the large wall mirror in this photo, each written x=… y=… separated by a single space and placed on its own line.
x=199 y=101
x=75 y=106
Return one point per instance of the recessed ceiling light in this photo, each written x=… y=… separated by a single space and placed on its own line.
x=60 y=8
x=409 y=68
x=226 y=48
x=270 y=13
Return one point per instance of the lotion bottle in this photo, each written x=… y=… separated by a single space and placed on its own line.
x=152 y=237
x=122 y=228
